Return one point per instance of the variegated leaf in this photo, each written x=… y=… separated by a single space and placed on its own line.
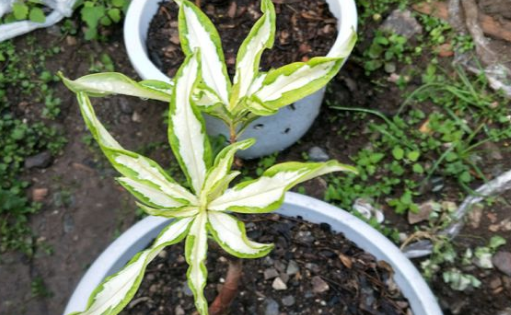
x=182 y=212
x=187 y=132
x=111 y=296
x=196 y=250
x=196 y=31
x=293 y=82
x=222 y=166
x=261 y=37
x=267 y=192
x=130 y=164
x=109 y=83
x=221 y=186
x=230 y=234
x=148 y=194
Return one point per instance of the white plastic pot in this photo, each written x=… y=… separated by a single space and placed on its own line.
x=141 y=234
x=274 y=133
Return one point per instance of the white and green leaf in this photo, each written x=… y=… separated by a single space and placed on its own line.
x=290 y=83
x=111 y=296
x=187 y=132
x=148 y=194
x=196 y=31
x=267 y=192
x=196 y=251
x=230 y=233
x=182 y=212
x=112 y=83
x=261 y=37
x=222 y=166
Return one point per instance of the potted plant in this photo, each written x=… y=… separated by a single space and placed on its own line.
x=206 y=207
x=275 y=132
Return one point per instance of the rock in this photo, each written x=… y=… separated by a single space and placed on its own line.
x=475 y=215
x=305 y=237
x=292 y=268
x=313 y=267
x=136 y=117
x=125 y=106
x=288 y=300
x=280 y=266
x=41 y=160
x=365 y=208
x=279 y=285
x=506 y=311
x=316 y=154
x=319 y=285
x=69 y=223
x=271 y=307
x=71 y=40
x=502 y=261
x=38 y=194
x=179 y=310
x=186 y=290
x=402 y=23
x=270 y=273
x=425 y=211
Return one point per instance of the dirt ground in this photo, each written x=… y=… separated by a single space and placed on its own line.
x=85 y=209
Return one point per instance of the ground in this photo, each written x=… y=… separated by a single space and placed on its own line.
x=439 y=146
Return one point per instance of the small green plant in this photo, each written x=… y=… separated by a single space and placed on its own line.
x=202 y=84
x=25 y=10
x=385 y=51
x=98 y=13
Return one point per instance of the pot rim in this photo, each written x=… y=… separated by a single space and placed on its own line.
x=137 y=52
x=408 y=278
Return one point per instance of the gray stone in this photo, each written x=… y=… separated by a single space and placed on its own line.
x=319 y=285
x=279 y=284
x=506 y=311
x=271 y=307
x=313 y=267
x=292 y=268
x=402 y=23
x=425 y=210
x=69 y=223
x=316 y=154
x=125 y=106
x=280 y=266
x=270 y=273
x=186 y=290
x=288 y=300
x=179 y=310
x=41 y=160
x=305 y=237
x=502 y=261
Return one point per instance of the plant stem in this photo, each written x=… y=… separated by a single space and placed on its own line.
x=229 y=289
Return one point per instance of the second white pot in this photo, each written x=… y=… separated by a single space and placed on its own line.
x=274 y=133
x=138 y=237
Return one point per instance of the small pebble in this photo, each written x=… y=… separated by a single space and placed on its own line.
x=288 y=300
x=317 y=154
x=319 y=285
x=502 y=261
x=270 y=273
x=279 y=285
x=272 y=307
x=292 y=268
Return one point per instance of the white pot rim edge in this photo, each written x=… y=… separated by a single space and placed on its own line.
x=367 y=238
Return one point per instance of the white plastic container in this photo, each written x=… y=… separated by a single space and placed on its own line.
x=274 y=133
x=138 y=237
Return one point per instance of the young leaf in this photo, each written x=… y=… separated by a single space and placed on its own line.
x=37 y=15
x=111 y=296
x=222 y=165
x=267 y=192
x=261 y=37
x=196 y=250
x=196 y=31
x=111 y=83
x=187 y=133
x=230 y=234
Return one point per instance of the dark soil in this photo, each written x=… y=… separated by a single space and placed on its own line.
x=333 y=276
x=305 y=29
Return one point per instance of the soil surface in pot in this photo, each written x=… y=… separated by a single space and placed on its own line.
x=305 y=29
x=311 y=271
